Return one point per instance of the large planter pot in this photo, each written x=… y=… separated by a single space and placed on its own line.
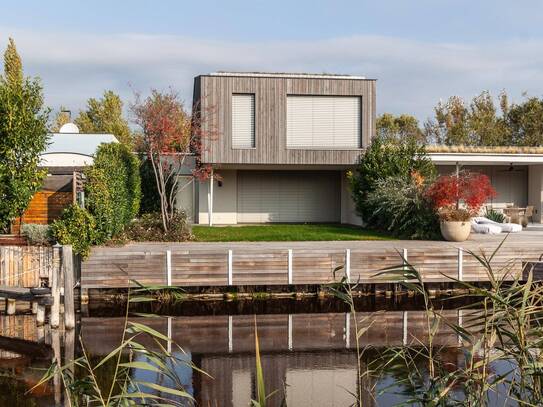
x=455 y=231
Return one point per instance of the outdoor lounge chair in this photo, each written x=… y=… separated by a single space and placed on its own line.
x=505 y=227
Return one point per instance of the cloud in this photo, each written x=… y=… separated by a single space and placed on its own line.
x=412 y=75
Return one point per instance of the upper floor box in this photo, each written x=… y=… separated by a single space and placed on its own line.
x=284 y=119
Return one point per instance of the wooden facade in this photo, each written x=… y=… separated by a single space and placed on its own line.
x=298 y=263
x=57 y=193
x=213 y=98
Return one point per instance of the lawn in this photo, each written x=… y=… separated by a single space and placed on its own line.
x=284 y=233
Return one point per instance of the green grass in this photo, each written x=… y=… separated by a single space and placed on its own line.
x=284 y=233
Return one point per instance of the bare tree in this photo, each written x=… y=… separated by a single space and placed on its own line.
x=169 y=134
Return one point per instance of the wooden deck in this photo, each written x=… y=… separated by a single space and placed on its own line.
x=195 y=264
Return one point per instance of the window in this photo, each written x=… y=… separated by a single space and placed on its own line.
x=323 y=122
x=243 y=121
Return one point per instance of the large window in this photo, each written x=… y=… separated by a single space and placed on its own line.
x=323 y=122
x=243 y=120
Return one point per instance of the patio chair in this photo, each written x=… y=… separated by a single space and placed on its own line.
x=529 y=214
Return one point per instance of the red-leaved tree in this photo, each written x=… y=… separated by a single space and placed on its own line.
x=471 y=189
x=169 y=135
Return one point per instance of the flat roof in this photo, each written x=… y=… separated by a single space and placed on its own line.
x=288 y=75
x=78 y=143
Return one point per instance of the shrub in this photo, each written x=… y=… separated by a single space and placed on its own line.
x=113 y=189
x=382 y=161
x=495 y=216
x=37 y=234
x=149 y=228
x=77 y=227
x=468 y=189
x=402 y=209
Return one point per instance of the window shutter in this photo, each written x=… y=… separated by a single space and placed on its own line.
x=323 y=122
x=243 y=121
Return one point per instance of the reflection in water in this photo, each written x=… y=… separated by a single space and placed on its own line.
x=308 y=358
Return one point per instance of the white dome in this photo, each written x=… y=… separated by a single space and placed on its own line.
x=69 y=128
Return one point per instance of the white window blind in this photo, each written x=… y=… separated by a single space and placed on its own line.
x=323 y=121
x=243 y=121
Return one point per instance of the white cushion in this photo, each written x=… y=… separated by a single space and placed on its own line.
x=505 y=227
x=486 y=229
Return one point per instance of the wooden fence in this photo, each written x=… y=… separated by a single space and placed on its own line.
x=177 y=265
x=27 y=266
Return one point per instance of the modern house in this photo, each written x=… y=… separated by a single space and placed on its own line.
x=285 y=143
x=67 y=154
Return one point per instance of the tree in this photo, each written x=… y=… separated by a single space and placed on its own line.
x=525 y=121
x=476 y=124
x=61 y=118
x=105 y=115
x=381 y=161
x=393 y=129
x=23 y=137
x=169 y=134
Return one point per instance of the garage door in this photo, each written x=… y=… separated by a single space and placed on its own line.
x=282 y=196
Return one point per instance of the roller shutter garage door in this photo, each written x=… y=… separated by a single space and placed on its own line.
x=283 y=196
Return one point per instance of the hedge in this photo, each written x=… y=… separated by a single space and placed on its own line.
x=113 y=189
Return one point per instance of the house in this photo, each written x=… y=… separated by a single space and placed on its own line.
x=515 y=172
x=67 y=154
x=285 y=143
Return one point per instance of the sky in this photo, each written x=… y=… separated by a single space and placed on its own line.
x=420 y=51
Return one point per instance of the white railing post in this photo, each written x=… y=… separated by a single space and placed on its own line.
x=404 y=257
x=460 y=264
x=348 y=265
x=169 y=268
x=169 y=335
x=229 y=267
x=289 y=266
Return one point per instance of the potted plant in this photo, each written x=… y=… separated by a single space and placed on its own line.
x=458 y=198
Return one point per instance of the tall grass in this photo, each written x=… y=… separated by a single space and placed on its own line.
x=111 y=381
x=501 y=344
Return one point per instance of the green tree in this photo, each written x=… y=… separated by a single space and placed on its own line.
x=105 y=115
x=476 y=124
x=393 y=129
x=23 y=137
x=113 y=189
x=525 y=122
x=61 y=118
x=385 y=160
x=450 y=125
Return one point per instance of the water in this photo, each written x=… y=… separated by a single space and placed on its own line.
x=308 y=349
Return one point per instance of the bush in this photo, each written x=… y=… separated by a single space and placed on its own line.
x=382 y=161
x=458 y=197
x=149 y=228
x=113 y=189
x=37 y=234
x=402 y=209
x=495 y=216
x=77 y=227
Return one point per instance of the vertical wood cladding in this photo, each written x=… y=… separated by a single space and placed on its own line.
x=215 y=101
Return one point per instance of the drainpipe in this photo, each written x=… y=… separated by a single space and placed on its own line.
x=210 y=200
x=457 y=169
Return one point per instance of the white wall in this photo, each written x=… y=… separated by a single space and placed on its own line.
x=511 y=186
x=348 y=209
x=225 y=199
x=535 y=190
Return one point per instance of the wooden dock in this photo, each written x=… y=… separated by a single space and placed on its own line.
x=301 y=263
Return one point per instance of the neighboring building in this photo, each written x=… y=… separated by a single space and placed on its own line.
x=285 y=143
x=67 y=154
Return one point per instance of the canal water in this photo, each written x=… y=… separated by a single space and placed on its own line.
x=308 y=349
